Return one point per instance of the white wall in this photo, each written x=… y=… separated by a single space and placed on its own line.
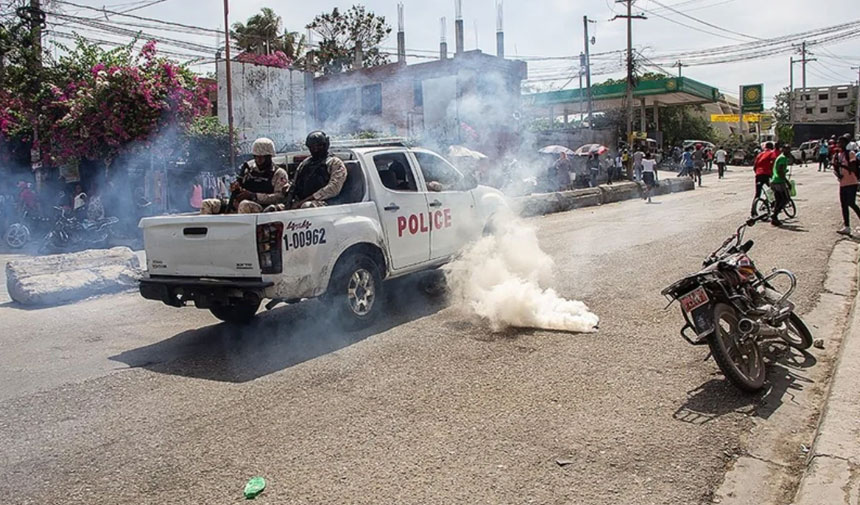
x=267 y=102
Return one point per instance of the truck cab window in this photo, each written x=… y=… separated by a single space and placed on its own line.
x=438 y=172
x=395 y=172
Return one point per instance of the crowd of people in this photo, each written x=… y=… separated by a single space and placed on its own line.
x=839 y=154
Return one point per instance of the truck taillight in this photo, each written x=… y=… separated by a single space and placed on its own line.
x=269 y=237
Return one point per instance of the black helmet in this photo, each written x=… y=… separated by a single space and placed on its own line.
x=847 y=138
x=318 y=138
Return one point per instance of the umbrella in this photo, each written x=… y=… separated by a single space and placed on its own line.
x=588 y=149
x=464 y=152
x=555 y=150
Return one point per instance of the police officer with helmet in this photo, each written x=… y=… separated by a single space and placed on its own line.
x=319 y=177
x=258 y=183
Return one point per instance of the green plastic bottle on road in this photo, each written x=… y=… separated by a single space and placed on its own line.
x=254 y=487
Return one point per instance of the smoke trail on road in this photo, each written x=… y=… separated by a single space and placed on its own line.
x=501 y=279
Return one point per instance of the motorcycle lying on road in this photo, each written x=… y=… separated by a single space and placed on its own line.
x=69 y=233
x=733 y=308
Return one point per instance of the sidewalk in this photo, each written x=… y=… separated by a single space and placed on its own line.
x=832 y=476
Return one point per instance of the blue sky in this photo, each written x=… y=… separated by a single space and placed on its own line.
x=554 y=28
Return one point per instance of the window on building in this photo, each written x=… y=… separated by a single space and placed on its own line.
x=371 y=99
x=824 y=110
x=840 y=108
x=807 y=97
x=822 y=96
x=842 y=95
x=809 y=110
x=395 y=172
x=336 y=105
x=418 y=94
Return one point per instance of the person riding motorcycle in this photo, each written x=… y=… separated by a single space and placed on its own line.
x=259 y=183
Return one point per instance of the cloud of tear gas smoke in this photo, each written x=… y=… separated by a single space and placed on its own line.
x=502 y=279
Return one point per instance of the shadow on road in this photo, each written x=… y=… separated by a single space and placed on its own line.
x=275 y=340
x=718 y=397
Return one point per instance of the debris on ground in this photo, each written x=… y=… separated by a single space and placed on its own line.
x=819 y=343
x=564 y=462
x=254 y=487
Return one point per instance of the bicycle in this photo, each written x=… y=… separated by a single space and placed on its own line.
x=765 y=203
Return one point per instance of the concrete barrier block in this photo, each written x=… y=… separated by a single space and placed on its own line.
x=65 y=278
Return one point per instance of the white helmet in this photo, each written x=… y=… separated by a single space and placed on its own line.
x=263 y=147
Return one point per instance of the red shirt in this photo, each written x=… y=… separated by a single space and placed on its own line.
x=764 y=162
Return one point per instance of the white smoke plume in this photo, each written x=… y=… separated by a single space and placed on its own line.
x=503 y=277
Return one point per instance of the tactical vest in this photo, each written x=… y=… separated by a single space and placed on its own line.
x=311 y=176
x=256 y=180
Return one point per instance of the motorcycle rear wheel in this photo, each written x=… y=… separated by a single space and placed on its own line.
x=742 y=364
x=798 y=335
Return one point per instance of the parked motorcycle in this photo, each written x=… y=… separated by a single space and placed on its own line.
x=733 y=308
x=69 y=233
x=20 y=231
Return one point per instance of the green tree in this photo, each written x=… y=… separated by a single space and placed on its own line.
x=782 y=107
x=340 y=34
x=262 y=34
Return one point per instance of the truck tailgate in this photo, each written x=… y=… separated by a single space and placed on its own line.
x=202 y=246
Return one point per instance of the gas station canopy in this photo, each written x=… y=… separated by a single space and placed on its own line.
x=661 y=92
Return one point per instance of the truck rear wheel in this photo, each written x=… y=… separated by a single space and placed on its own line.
x=355 y=290
x=237 y=312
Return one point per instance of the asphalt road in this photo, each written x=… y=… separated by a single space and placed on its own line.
x=121 y=400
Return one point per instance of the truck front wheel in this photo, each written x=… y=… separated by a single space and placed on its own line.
x=354 y=292
x=237 y=312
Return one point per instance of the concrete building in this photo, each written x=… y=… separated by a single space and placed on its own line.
x=834 y=104
x=267 y=102
x=471 y=98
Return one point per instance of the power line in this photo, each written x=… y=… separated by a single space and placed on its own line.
x=701 y=30
x=705 y=22
x=141 y=18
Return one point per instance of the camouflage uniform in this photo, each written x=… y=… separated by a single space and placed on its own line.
x=260 y=188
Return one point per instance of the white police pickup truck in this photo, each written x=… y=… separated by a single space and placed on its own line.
x=384 y=224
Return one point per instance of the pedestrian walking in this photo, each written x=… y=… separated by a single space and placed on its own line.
x=638 y=156
x=845 y=168
x=649 y=175
x=763 y=167
x=593 y=169
x=615 y=169
x=709 y=158
x=563 y=168
x=823 y=158
x=687 y=163
x=698 y=156
x=779 y=183
x=721 y=155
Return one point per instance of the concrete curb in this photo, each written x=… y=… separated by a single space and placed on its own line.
x=833 y=473
x=548 y=203
x=65 y=278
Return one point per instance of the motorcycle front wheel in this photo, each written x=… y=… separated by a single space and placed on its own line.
x=741 y=363
x=798 y=335
x=17 y=235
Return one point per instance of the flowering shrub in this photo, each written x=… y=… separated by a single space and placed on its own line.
x=95 y=104
x=277 y=59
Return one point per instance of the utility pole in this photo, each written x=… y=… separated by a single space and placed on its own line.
x=585 y=22
x=791 y=90
x=804 y=60
x=629 y=17
x=857 y=105
x=229 y=82
x=34 y=16
x=680 y=66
